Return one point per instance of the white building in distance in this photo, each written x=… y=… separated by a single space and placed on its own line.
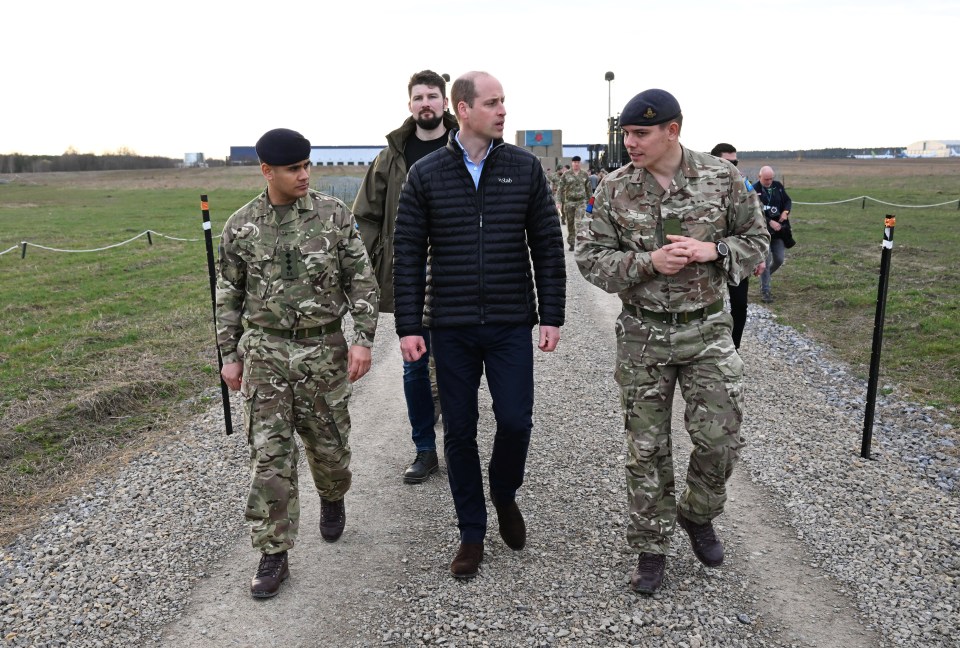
x=934 y=149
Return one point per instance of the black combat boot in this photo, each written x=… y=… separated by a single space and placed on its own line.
x=649 y=574
x=703 y=539
x=424 y=465
x=272 y=571
x=333 y=517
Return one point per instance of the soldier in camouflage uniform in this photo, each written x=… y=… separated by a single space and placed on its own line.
x=667 y=232
x=573 y=189
x=291 y=265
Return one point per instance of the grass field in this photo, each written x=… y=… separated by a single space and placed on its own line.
x=102 y=352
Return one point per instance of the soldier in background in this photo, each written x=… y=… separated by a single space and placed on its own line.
x=291 y=265
x=667 y=232
x=375 y=208
x=573 y=190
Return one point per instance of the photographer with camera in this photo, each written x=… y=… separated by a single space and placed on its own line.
x=776 y=211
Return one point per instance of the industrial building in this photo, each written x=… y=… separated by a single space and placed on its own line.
x=934 y=149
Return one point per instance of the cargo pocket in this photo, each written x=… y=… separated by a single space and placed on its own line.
x=249 y=409
x=732 y=369
x=335 y=401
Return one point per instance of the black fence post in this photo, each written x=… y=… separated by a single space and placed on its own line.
x=149 y=239
x=208 y=237
x=23 y=249
x=889 y=221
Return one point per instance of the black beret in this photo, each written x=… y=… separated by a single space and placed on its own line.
x=282 y=146
x=649 y=108
x=575 y=158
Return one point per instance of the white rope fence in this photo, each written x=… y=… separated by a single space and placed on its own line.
x=24 y=244
x=877 y=200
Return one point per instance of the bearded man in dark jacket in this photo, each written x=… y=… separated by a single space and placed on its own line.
x=484 y=211
x=375 y=209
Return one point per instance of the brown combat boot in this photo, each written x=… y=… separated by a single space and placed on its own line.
x=333 y=517
x=513 y=530
x=706 y=546
x=649 y=574
x=466 y=564
x=272 y=571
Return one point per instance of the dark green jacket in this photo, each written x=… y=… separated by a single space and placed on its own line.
x=375 y=207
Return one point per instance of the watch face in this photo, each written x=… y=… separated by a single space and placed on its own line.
x=722 y=249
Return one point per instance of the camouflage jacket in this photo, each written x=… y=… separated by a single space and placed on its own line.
x=574 y=186
x=631 y=213
x=304 y=270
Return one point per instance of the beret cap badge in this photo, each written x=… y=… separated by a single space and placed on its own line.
x=649 y=114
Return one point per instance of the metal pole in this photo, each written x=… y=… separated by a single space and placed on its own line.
x=888 y=225
x=208 y=237
x=609 y=78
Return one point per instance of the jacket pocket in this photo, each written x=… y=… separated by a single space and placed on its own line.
x=322 y=263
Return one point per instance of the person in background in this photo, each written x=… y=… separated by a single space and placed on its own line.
x=573 y=191
x=483 y=211
x=776 y=211
x=739 y=294
x=667 y=232
x=291 y=266
x=375 y=209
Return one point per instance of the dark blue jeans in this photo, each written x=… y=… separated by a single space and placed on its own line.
x=419 y=397
x=462 y=356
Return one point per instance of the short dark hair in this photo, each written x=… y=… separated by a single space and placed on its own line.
x=465 y=89
x=722 y=148
x=678 y=119
x=427 y=78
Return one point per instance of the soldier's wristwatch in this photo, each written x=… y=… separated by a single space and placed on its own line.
x=722 y=250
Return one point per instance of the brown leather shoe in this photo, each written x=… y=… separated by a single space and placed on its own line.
x=272 y=571
x=649 y=574
x=466 y=564
x=513 y=530
x=333 y=517
x=706 y=546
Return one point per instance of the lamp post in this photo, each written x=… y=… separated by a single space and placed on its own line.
x=609 y=78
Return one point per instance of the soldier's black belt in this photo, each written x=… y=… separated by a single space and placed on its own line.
x=299 y=334
x=674 y=318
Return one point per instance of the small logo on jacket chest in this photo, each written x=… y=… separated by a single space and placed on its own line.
x=502 y=180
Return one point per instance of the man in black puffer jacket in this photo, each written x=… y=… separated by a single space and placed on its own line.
x=483 y=211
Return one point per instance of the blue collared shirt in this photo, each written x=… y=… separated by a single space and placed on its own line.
x=475 y=168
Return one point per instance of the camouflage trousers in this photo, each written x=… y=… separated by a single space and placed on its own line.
x=572 y=211
x=293 y=386
x=651 y=358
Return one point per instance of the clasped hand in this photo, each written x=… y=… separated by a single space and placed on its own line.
x=681 y=251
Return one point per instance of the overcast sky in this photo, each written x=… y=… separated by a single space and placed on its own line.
x=170 y=77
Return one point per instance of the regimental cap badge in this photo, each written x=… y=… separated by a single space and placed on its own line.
x=649 y=114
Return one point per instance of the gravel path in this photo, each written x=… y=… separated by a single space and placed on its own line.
x=823 y=548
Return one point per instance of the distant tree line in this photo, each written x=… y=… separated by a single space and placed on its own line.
x=74 y=161
x=896 y=151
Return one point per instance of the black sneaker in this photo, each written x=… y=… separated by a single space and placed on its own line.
x=649 y=574
x=272 y=571
x=706 y=546
x=424 y=465
x=333 y=517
